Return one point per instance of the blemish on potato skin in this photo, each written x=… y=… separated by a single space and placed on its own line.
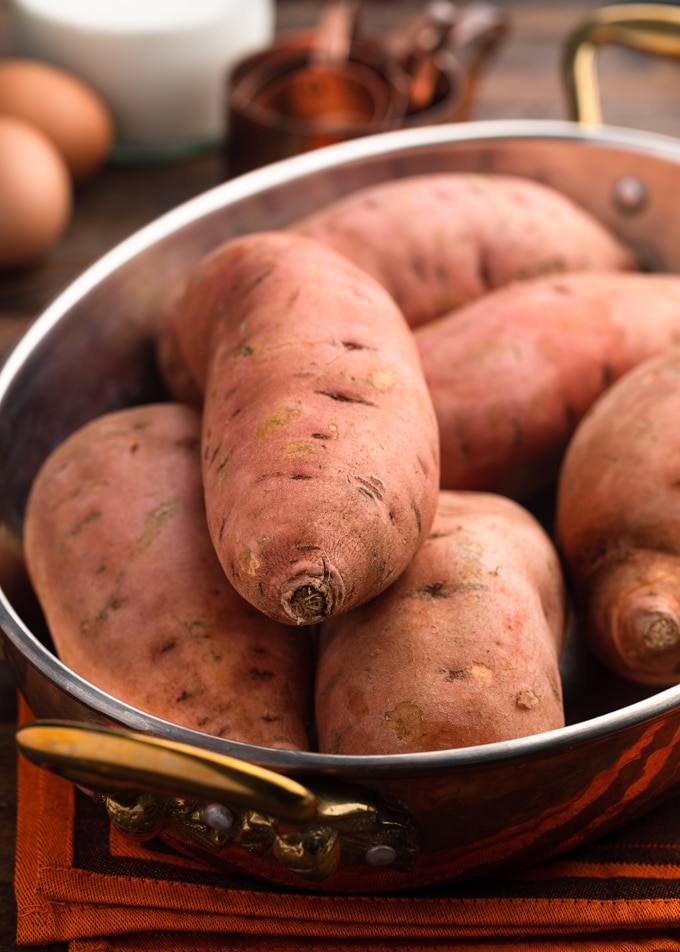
x=330 y=685
x=273 y=421
x=210 y=455
x=419 y=519
x=480 y=672
x=248 y=563
x=405 y=721
x=336 y=740
x=455 y=674
x=371 y=486
x=228 y=394
x=113 y=603
x=258 y=280
x=153 y=523
x=91 y=517
x=527 y=699
x=436 y=590
x=355 y=345
x=345 y=397
x=223 y=465
x=298 y=448
x=332 y=433
x=275 y=475
x=382 y=379
x=259 y=674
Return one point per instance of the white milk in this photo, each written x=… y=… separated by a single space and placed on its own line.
x=160 y=65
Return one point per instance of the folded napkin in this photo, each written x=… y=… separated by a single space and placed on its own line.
x=79 y=881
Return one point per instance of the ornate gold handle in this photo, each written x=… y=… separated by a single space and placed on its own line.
x=650 y=27
x=113 y=761
x=208 y=803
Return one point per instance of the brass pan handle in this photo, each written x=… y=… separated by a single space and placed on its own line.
x=112 y=761
x=227 y=807
x=650 y=27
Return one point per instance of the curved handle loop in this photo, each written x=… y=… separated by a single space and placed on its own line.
x=650 y=27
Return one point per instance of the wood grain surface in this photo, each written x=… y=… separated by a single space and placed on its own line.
x=522 y=82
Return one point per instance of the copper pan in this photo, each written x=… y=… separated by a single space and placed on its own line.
x=330 y=822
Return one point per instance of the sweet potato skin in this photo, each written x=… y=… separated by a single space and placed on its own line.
x=320 y=445
x=618 y=522
x=461 y=650
x=135 y=599
x=513 y=372
x=461 y=235
x=172 y=367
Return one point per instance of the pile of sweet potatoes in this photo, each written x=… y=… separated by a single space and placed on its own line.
x=325 y=539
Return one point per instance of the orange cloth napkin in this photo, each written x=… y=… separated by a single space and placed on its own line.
x=79 y=881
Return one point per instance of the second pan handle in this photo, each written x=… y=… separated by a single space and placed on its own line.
x=650 y=27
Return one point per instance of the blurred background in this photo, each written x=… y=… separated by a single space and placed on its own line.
x=520 y=78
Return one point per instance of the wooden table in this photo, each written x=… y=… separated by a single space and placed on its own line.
x=523 y=81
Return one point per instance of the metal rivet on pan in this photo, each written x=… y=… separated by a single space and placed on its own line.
x=382 y=854
x=217 y=817
x=630 y=194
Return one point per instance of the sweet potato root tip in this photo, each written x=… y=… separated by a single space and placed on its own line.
x=308 y=600
x=655 y=632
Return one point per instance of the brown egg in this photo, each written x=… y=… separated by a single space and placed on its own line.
x=63 y=107
x=35 y=193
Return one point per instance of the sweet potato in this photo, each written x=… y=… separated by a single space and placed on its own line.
x=618 y=522
x=134 y=597
x=320 y=445
x=436 y=241
x=172 y=367
x=513 y=372
x=461 y=650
